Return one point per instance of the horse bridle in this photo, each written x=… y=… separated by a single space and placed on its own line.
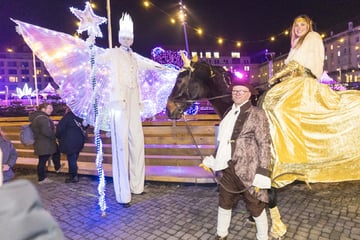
x=212 y=76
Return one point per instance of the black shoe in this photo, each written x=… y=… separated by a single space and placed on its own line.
x=251 y=220
x=221 y=238
x=74 y=179
x=125 y=205
x=62 y=165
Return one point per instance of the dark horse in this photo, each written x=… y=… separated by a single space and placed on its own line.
x=200 y=80
x=207 y=82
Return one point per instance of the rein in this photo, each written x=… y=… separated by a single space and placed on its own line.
x=194 y=100
x=217 y=180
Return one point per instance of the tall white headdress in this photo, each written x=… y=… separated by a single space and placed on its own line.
x=126 y=26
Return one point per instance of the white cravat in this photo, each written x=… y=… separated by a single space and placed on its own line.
x=223 y=154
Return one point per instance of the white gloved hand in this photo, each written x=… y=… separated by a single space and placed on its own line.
x=261 y=181
x=209 y=161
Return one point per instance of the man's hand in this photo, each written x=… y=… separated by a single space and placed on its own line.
x=205 y=167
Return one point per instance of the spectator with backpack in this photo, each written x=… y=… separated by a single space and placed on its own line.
x=9 y=157
x=45 y=145
x=71 y=132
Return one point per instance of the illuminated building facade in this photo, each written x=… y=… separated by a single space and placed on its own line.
x=17 y=69
x=240 y=66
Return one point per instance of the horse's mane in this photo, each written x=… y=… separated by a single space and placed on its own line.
x=220 y=73
x=219 y=85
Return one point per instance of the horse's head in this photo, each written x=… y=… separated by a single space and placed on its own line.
x=191 y=85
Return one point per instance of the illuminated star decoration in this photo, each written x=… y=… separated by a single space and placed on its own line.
x=88 y=21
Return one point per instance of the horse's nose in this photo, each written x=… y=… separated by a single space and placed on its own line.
x=173 y=115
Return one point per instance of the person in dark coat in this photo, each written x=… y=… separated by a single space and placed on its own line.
x=45 y=144
x=9 y=157
x=71 y=132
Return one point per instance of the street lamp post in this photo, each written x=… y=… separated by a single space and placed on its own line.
x=270 y=57
x=183 y=21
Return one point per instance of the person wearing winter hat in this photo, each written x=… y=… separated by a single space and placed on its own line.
x=243 y=157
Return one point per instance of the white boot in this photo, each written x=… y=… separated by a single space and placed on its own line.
x=223 y=222
x=262 y=226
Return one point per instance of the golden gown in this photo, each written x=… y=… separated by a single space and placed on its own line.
x=315 y=131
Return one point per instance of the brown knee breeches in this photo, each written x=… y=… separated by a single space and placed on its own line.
x=228 y=200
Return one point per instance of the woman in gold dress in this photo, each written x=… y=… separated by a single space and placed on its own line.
x=314 y=129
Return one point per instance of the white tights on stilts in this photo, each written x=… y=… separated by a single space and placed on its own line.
x=262 y=226
x=223 y=224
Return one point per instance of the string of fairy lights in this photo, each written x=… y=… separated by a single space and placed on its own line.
x=182 y=15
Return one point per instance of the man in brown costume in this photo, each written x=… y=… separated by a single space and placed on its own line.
x=243 y=157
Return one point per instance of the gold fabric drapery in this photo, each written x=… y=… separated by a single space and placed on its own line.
x=315 y=132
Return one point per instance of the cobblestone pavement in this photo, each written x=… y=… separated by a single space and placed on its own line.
x=170 y=211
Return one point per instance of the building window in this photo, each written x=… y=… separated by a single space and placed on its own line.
x=25 y=71
x=25 y=79
x=2 y=71
x=235 y=55
x=13 y=79
x=193 y=54
x=24 y=64
x=11 y=64
x=216 y=55
x=12 y=71
x=235 y=61
x=208 y=54
x=37 y=64
x=1 y=63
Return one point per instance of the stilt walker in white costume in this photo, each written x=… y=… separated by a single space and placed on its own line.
x=127 y=138
x=121 y=76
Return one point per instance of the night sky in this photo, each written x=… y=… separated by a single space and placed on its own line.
x=252 y=22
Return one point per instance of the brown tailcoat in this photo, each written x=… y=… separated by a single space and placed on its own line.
x=251 y=147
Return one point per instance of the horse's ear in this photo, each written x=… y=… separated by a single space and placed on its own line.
x=186 y=61
x=195 y=58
